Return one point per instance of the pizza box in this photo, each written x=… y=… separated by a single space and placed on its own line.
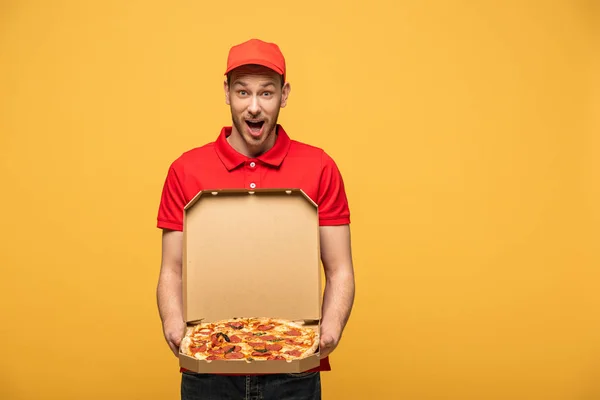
x=251 y=253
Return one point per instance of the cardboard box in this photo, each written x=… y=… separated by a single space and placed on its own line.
x=251 y=254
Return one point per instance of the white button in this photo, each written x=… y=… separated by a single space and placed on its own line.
x=252 y=185
x=252 y=164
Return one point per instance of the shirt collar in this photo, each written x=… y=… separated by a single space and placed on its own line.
x=232 y=159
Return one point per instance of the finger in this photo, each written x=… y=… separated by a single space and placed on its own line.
x=175 y=339
x=173 y=346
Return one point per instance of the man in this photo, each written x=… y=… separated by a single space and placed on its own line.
x=256 y=152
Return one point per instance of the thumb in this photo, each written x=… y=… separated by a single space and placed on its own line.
x=326 y=341
x=175 y=339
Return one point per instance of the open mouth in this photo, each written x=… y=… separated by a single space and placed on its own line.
x=255 y=127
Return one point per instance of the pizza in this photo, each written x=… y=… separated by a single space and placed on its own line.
x=250 y=339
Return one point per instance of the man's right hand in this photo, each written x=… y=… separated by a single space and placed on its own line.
x=174 y=331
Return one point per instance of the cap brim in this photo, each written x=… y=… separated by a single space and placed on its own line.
x=264 y=63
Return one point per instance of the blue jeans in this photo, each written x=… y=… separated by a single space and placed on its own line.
x=302 y=386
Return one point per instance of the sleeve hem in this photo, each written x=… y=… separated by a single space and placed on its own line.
x=169 y=225
x=334 y=221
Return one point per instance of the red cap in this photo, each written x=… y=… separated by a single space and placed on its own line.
x=255 y=51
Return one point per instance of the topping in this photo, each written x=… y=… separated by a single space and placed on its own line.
x=212 y=358
x=260 y=333
x=224 y=336
x=237 y=325
x=234 y=356
x=197 y=349
x=235 y=339
x=274 y=347
x=293 y=332
x=268 y=337
x=294 y=353
x=265 y=327
x=261 y=350
x=256 y=344
x=276 y=358
x=256 y=354
x=228 y=349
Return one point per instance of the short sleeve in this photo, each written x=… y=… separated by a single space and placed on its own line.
x=172 y=202
x=331 y=199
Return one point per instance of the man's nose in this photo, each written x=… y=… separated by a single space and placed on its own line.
x=254 y=107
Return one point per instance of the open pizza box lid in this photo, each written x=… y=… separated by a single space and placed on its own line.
x=251 y=254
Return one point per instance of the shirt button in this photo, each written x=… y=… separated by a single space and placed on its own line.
x=252 y=185
x=252 y=164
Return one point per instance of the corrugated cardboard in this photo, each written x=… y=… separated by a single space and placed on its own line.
x=251 y=254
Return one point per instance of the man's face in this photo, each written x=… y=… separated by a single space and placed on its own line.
x=255 y=95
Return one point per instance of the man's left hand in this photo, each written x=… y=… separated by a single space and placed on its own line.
x=328 y=342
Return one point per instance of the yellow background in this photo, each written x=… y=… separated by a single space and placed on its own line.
x=468 y=136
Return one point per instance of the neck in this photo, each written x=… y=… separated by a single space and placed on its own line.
x=241 y=146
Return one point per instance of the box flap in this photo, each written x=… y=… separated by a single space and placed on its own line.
x=251 y=253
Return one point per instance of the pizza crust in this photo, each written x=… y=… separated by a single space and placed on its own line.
x=312 y=349
x=184 y=347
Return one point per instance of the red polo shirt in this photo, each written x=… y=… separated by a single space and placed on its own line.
x=288 y=164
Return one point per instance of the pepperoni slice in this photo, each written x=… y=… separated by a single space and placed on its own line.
x=198 y=349
x=267 y=337
x=237 y=325
x=259 y=354
x=212 y=358
x=215 y=351
x=234 y=355
x=214 y=339
x=235 y=339
x=293 y=332
x=256 y=344
x=290 y=341
x=265 y=327
x=295 y=353
x=227 y=348
x=276 y=358
x=274 y=347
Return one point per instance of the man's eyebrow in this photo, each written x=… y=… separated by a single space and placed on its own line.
x=245 y=84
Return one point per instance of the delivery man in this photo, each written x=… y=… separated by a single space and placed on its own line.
x=256 y=152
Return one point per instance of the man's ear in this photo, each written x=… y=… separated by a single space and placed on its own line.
x=285 y=92
x=226 y=89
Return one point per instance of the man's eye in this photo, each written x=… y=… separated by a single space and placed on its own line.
x=266 y=93
x=242 y=92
